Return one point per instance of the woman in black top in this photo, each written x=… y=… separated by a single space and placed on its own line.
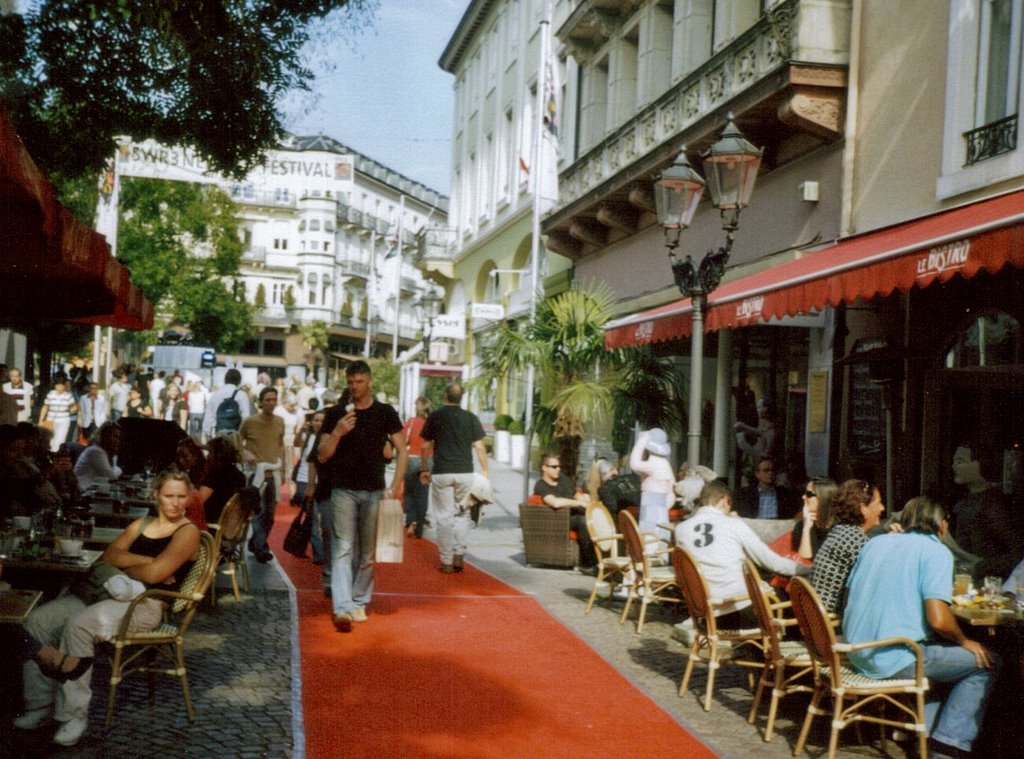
x=157 y=552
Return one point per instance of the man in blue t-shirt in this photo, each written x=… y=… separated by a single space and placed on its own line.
x=901 y=586
x=350 y=461
x=452 y=434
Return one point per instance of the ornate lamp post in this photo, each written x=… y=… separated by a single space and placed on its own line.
x=731 y=164
x=428 y=308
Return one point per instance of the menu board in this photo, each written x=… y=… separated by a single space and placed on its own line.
x=867 y=414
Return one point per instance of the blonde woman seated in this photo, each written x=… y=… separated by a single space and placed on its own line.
x=158 y=552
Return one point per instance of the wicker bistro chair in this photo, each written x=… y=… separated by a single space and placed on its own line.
x=546 y=538
x=834 y=676
x=651 y=582
x=611 y=568
x=786 y=662
x=706 y=646
x=162 y=650
x=231 y=532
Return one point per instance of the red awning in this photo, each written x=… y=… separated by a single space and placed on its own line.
x=55 y=267
x=982 y=236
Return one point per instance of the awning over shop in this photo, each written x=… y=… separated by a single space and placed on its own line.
x=54 y=266
x=983 y=236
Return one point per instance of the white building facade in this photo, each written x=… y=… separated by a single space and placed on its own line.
x=342 y=256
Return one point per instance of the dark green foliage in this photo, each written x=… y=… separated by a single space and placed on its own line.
x=205 y=73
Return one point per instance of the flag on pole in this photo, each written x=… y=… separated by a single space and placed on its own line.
x=551 y=118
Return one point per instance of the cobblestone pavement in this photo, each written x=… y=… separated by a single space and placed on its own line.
x=240 y=676
x=240 y=658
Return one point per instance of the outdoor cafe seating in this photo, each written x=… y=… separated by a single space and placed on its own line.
x=161 y=651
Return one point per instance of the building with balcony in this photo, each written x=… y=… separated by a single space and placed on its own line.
x=341 y=254
x=483 y=255
x=873 y=294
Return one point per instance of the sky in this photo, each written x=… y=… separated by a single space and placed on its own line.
x=380 y=91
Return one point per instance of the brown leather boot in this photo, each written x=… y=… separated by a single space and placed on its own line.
x=446 y=569
x=457 y=563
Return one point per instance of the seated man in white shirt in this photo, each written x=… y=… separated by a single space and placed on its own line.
x=720 y=541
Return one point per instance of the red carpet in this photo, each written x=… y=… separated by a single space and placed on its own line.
x=461 y=666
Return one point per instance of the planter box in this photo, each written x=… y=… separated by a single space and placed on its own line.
x=503 y=446
x=518 y=458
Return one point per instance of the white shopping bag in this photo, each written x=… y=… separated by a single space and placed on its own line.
x=390 y=531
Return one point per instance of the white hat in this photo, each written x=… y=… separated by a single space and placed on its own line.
x=657 y=442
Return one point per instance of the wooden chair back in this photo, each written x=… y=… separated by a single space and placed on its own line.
x=815 y=627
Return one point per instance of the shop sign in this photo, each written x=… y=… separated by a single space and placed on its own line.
x=750 y=308
x=644 y=331
x=948 y=257
x=449 y=325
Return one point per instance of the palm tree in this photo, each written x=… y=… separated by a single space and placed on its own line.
x=564 y=342
x=315 y=340
x=649 y=392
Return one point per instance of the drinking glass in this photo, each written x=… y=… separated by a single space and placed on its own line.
x=993 y=586
x=961 y=584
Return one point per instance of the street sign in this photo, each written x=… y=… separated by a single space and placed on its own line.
x=438 y=353
x=491 y=311
x=449 y=325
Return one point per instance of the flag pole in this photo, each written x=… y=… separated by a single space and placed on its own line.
x=373 y=281
x=398 y=280
x=535 y=176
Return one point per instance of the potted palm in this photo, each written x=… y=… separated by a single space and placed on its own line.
x=517 y=433
x=502 y=438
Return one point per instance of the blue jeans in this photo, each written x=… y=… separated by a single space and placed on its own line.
x=323 y=510
x=264 y=521
x=417 y=497
x=960 y=714
x=353 y=542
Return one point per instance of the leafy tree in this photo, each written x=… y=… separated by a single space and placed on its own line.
x=181 y=242
x=386 y=376
x=206 y=73
x=565 y=343
x=260 y=299
x=288 y=299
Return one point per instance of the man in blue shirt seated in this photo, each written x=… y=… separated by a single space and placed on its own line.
x=901 y=586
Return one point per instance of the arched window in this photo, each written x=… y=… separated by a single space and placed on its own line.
x=993 y=339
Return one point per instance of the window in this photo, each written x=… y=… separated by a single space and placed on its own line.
x=314 y=225
x=281 y=195
x=981 y=144
x=280 y=243
x=990 y=340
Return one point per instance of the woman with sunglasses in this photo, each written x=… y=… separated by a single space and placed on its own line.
x=856 y=508
x=813 y=526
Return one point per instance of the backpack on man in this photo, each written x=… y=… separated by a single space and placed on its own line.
x=229 y=414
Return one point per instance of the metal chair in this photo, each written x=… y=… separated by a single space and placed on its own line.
x=834 y=676
x=162 y=650
x=611 y=568
x=786 y=662
x=706 y=635
x=651 y=582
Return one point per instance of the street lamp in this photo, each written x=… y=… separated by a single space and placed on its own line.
x=429 y=307
x=731 y=164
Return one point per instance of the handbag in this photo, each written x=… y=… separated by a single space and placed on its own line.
x=92 y=587
x=297 y=539
x=390 y=531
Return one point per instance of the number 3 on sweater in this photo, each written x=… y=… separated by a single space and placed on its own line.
x=706 y=538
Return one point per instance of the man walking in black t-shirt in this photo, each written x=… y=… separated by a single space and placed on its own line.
x=350 y=459
x=452 y=434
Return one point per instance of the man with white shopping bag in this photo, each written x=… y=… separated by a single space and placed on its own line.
x=452 y=434
x=350 y=458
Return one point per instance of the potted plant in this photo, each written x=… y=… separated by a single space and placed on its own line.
x=517 y=432
x=502 y=438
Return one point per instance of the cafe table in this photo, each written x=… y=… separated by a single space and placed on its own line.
x=991 y=618
x=50 y=561
x=101 y=536
x=107 y=515
x=15 y=604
